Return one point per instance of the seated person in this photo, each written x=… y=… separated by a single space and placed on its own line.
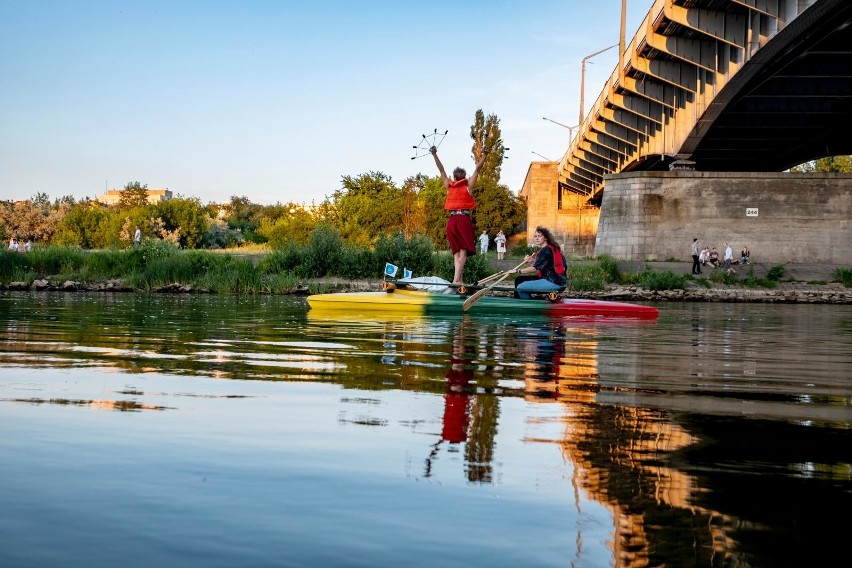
x=713 y=259
x=744 y=255
x=547 y=273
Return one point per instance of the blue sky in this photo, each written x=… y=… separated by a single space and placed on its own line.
x=277 y=100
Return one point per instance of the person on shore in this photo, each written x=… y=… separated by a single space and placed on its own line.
x=547 y=273
x=460 y=204
x=744 y=255
x=13 y=244
x=483 y=242
x=137 y=236
x=729 y=256
x=500 y=239
x=713 y=258
x=703 y=256
x=696 y=265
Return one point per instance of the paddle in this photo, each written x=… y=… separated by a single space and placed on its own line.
x=478 y=295
x=488 y=279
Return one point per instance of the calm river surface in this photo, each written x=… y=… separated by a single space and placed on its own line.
x=190 y=430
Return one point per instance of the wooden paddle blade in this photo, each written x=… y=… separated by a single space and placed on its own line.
x=476 y=296
x=479 y=293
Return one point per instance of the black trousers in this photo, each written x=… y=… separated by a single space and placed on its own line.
x=696 y=266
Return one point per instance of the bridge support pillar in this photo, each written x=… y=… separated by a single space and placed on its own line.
x=781 y=217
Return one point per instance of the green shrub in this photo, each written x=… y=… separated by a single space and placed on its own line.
x=359 y=262
x=844 y=276
x=323 y=253
x=11 y=261
x=521 y=251
x=287 y=260
x=722 y=276
x=415 y=253
x=107 y=264
x=238 y=276
x=776 y=272
x=278 y=283
x=586 y=277
x=753 y=281
x=610 y=268
x=476 y=267
x=54 y=259
x=667 y=280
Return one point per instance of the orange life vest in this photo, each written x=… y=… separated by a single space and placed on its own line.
x=458 y=196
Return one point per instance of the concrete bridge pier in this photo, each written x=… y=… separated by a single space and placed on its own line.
x=781 y=217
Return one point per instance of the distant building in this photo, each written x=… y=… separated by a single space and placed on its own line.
x=112 y=196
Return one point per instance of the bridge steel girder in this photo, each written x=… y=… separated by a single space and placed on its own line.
x=735 y=85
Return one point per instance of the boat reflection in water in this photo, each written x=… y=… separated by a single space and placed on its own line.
x=714 y=436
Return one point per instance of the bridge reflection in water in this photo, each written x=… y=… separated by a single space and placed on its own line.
x=716 y=435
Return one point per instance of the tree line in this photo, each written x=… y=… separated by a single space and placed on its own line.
x=365 y=207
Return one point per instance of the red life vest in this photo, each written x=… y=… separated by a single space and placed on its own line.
x=458 y=196
x=558 y=260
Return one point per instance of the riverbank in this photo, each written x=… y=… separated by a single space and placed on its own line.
x=801 y=284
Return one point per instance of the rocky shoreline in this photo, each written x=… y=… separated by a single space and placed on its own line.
x=784 y=292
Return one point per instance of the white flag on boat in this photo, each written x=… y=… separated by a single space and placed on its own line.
x=390 y=269
x=406 y=273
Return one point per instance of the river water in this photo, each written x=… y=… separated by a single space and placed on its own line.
x=195 y=430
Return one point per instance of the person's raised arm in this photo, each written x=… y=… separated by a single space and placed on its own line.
x=444 y=178
x=475 y=174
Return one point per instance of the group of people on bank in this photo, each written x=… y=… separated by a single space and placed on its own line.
x=709 y=256
x=547 y=267
x=15 y=245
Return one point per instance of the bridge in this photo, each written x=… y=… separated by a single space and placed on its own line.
x=720 y=86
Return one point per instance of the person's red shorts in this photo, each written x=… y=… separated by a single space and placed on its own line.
x=460 y=234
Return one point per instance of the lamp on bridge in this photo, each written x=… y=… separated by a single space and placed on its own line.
x=540 y=156
x=570 y=128
x=583 y=80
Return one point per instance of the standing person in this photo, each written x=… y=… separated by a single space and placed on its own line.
x=547 y=273
x=483 y=242
x=460 y=204
x=729 y=256
x=500 y=239
x=137 y=236
x=696 y=266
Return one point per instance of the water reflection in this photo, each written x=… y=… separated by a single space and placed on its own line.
x=717 y=435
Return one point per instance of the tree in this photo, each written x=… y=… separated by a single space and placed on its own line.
x=133 y=195
x=245 y=216
x=183 y=219
x=35 y=220
x=497 y=208
x=830 y=164
x=295 y=224
x=89 y=225
x=365 y=207
x=413 y=208
x=485 y=132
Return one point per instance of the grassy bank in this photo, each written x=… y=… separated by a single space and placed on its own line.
x=157 y=265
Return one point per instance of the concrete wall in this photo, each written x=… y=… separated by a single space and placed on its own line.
x=574 y=226
x=799 y=217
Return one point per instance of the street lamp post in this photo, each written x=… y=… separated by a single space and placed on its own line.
x=540 y=156
x=570 y=128
x=583 y=80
